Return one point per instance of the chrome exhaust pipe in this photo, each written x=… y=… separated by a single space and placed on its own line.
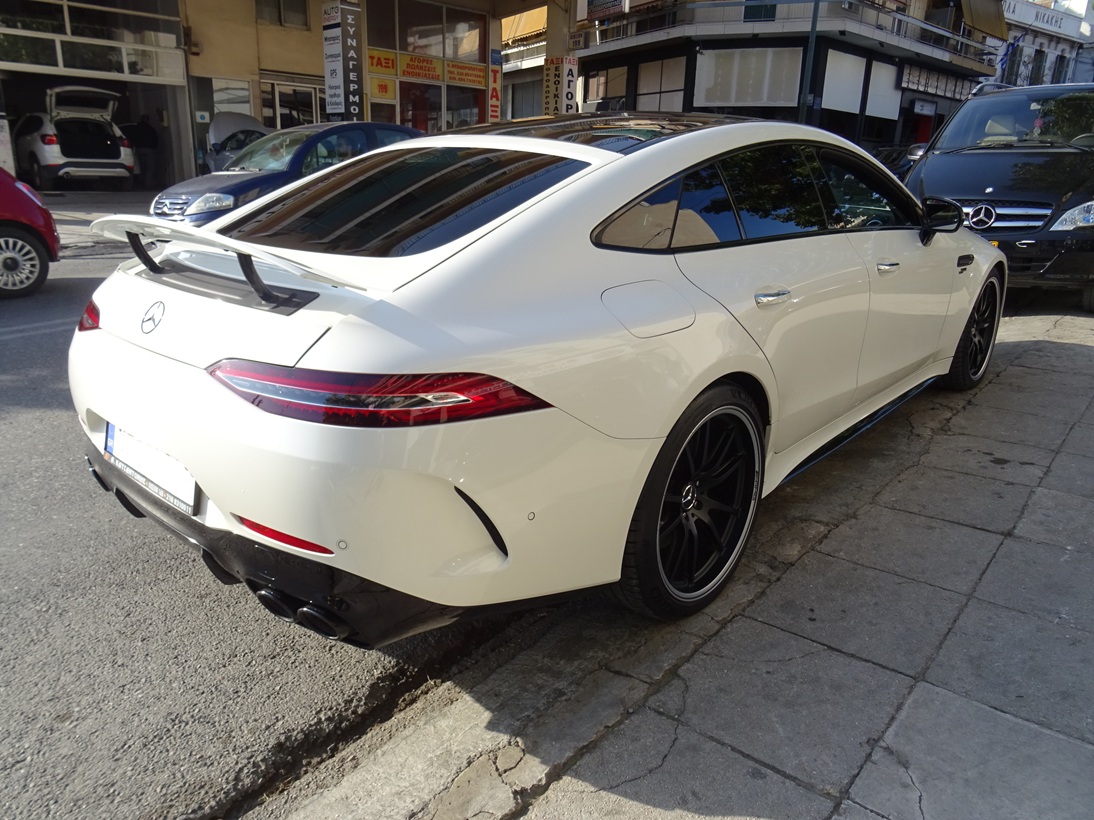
x=277 y=603
x=323 y=623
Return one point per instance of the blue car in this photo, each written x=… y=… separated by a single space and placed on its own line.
x=275 y=160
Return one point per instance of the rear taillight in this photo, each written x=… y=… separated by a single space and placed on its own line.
x=49 y=139
x=126 y=143
x=90 y=319
x=285 y=538
x=363 y=400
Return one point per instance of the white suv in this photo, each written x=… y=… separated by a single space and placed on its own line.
x=75 y=138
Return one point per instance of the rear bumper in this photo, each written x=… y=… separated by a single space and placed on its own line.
x=370 y=614
x=87 y=168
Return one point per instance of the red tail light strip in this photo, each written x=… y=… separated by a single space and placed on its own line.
x=284 y=538
x=365 y=400
x=90 y=319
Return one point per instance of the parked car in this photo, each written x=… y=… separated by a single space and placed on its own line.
x=75 y=138
x=230 y=133
x=269 y=163
x=28 y=239
x=473 y=370
x=1020 y=161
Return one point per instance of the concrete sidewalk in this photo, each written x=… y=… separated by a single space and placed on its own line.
x=911 y=636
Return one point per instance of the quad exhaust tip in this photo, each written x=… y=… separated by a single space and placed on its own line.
x=287 y=608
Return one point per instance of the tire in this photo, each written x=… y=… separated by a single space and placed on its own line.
x=38 y=180
x=1088 y=298
x=973 y=354
x=23 y=263
x=695 y=513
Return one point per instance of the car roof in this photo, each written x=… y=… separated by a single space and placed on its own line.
x=317 y=127
x=614 y=130
x=992 y=90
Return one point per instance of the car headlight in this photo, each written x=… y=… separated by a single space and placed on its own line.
x=211 y=202
x=1081 y=216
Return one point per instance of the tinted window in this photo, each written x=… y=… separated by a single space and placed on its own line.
x=774 y=191
x=29 y=126
x=647 y=224
x=859 y=198
x=706 y=213
x=387 y=136
x=396 y=204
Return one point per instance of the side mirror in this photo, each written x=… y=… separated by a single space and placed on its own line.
x=940 y=216
x=916 y=151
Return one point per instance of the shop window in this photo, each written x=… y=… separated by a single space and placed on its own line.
x=420 y=106
x=30 y=15
x=466 y=106
x=421 y=28
x=1059 y=69
x=231 y=96
x=283 y=12
x=465 y=35
x=380 y=23
x=608 y=89
x=661 y=85
x=284 y=106
x=91 y=57
x=382 y=112
x=526 y=99
x=29 y=50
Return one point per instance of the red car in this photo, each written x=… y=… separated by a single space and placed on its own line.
x=28 y=239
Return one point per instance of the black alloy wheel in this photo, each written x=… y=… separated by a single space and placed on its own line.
x=696 y=510
x=974 y=349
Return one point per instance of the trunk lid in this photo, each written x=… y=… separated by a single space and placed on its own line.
x=81 y=101
x=201 y=309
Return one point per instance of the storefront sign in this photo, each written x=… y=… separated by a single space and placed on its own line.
x=560 y=85
x=353 y=80
x=493 y=107
x=925 y=108
x=381 y=88
x=599 y=9
x=465 y=74
x=382 y=62
x=419 y=67
x=332 y=56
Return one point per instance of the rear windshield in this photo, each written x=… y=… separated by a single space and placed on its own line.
x=402 y=203
x=1032 y=116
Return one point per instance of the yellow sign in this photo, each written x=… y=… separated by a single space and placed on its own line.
x=381 y=88
x=382 y=62
x=420 y=67
x=465 y=74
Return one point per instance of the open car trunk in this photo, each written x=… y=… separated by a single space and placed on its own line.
x=87 y=139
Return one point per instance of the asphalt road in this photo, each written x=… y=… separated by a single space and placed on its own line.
x=133 y=684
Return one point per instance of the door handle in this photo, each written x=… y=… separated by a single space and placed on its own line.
x=775 y=297
x=887 y=267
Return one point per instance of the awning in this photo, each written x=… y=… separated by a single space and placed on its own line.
x=985 y=16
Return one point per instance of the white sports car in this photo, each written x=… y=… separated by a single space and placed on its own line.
x=473 y=370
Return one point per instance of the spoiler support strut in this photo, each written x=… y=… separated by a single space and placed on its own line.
x=142 y=253
x=250 y=273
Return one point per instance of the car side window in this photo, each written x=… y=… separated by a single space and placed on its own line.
x=28 y=126
x=859 y=197
x=774 y=191
x=335 y=149
x=705 y=216
x=647 y=224
x=388 y=136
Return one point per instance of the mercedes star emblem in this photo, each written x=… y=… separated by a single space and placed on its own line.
x=981 y=217
x=152 y=317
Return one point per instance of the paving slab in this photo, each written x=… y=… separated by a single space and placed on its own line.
x=1010 y=425
x=1001 y=460
x=784 y=701
x=1080 y=440
x=1023 y=665
x=1025 y=395
x=1053 y=583
x=1072 y=474
x=964 y=499
x=940 y=553
x=1058 y=518
x=867 y=613
x=948 y=757
x=653 y=767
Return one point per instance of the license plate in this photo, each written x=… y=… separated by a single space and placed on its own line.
x=154 y=470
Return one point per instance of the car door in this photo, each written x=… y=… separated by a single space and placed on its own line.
x=800 y=291
x=911 y=282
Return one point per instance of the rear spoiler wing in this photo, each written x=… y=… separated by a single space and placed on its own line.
x=137 y=230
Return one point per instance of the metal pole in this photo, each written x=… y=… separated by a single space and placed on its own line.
x=807 y=79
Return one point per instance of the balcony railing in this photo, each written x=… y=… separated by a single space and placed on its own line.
x=882 y=20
